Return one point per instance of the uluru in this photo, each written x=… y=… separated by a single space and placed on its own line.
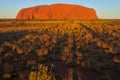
x=57 y=11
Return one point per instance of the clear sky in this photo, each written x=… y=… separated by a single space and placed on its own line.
x=106 y=9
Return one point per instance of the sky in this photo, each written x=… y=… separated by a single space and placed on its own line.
x=105 y=9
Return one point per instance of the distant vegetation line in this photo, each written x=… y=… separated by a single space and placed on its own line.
x=9 y=19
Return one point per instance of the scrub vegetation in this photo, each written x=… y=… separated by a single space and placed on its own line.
x=92 y=46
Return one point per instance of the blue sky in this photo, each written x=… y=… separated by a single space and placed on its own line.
x=106 y=9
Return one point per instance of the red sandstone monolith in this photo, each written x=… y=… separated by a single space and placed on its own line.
x=57 y=11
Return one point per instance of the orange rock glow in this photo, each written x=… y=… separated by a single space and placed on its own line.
x=57 y=11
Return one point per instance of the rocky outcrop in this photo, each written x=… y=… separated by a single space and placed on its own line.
x=57 y=11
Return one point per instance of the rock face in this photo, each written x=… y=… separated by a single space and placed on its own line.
x=57 y=11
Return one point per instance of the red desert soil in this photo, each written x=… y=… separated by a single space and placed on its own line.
x=57 y=11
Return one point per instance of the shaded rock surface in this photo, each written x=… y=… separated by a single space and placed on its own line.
x=57 y=11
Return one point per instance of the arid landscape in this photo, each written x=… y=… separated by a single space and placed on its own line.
x=60 y=49
x=60 y=40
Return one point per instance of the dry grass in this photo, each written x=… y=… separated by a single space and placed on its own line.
x=83 y=43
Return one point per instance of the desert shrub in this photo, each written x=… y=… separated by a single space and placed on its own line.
x=6 y=76
x=95 y=41
x=43 y=73
x=116 y=59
